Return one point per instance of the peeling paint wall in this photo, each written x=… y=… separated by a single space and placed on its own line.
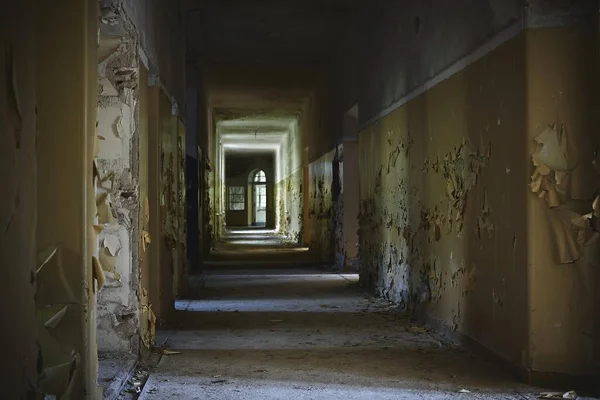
x=290 y=207
x=290 y=187
x=18 y=202
x=562 y=145
x=442 y=212
x=117 y=196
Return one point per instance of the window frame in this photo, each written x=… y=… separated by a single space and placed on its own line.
x=260 y=177
x=237 y=196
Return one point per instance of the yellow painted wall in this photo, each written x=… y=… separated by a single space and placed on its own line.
x=66 y=88
x=442 y=214
x=563 y=88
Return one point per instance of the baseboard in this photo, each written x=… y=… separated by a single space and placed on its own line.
x=583 y=384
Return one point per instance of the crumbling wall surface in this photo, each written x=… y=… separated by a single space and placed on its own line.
x=562 y=147
x=290 y=188
x=117 y=196
x=289 y=193
x=18 y=200
x=442 y=223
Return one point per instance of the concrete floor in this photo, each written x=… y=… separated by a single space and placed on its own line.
x=285 y=332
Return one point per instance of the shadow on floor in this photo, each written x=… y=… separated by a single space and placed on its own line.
x=292 y=331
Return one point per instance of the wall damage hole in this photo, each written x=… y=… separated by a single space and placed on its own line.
x=126 y=194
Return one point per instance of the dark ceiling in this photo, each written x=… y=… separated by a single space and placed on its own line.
x=266 y=32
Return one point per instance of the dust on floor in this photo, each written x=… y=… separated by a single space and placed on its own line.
x=305 y=334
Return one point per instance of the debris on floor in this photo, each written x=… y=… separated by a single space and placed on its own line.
x=134 y=385
x=416 y=329
x=168 y=352
x=572 y=395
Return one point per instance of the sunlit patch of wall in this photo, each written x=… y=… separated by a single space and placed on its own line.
x=289 y=185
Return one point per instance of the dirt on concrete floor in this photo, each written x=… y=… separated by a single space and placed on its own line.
x=301 y=333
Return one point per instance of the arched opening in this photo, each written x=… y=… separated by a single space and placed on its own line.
x=259 y=198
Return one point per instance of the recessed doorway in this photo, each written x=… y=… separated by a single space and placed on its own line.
x=260 y=198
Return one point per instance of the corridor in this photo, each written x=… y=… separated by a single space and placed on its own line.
x=295 y=331
x=299 y=199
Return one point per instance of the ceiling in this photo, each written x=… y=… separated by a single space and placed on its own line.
x=265 y=32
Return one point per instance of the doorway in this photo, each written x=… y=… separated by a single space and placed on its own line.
x=260 y=199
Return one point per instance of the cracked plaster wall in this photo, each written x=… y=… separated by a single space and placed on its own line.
x=448 y=228
x=118 y=197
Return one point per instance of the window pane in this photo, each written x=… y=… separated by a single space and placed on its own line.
x=236 y=198
x=260 y=177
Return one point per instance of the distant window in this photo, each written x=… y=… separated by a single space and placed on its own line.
x=261 y=197
x=237 y=200
x=260 y=177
